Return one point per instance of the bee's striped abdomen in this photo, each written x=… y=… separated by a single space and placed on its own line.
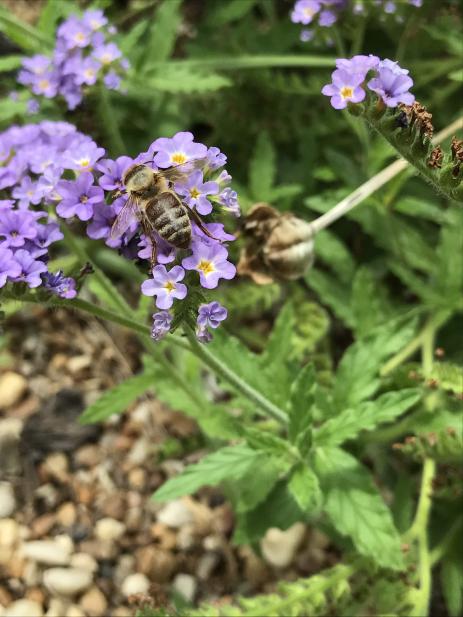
x=170 y=219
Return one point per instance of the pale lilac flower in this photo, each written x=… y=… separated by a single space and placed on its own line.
x=327 y=18
x=79 y=197
x=46 y=84
x=30 y=269
x=17 y=226
x=75 y=33
x=304 y=11
x=60 y=285
x=211 y=315
x=48 y=182
x=106 y=54
x=358 y=64
x=33 y=106
x=215 y=158
x=166 y=253
x=112 y=80
x=165 y=286
x=9 y=267
x=86 y=72
x=176 y=150
x=306 y=35
x=84 y=157
x=344 y=89
x=195 y=192
x=28 y=192
x=112 y=171
x=210 y=260
x=215 y=229
x=228 y=198
x=161 y=325
x=392 y=84
x=94 y=19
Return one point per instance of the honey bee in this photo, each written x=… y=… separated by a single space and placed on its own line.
x=157 y=207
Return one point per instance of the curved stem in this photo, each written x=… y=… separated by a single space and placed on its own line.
x=204 y=354
x=372 y=185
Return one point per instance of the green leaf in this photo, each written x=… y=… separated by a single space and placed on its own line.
x=448 y=376
x=355 y=507
x=365 y=417
x=10 y=63
x=333 y=293
x=300 y=403
x=230 y=11
x=262 y=168
x=305 y=488
x=23 y=34
x=117 y=399
x=279 y=509
x=252 y=488
x=230 y=463
x=266 y=442
x=356 y=378
x=51 y=13
x=333 y=252
x=185 y=81
x=368 y=302
x=163 y=33
x=451 y=576
x=311 y=325
x=279 y=342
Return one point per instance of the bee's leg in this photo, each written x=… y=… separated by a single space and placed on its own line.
x=197 y=219
x=154 y=252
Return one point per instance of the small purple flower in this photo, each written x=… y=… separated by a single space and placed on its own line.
x=46 y=84
x=215 y=229
x=392 y=84
x=358 y=64
x=86 y=72
x=165 y=251
x=112 y=171
x=33 y=106
x=94 y=19
x=27 y=192
x=161 y=325
x=112 y=80
x=327 y=18
x=17 y=226
x=75 y=33
x=176 y=150
x=84 y=157
x=9 y=267
x=107 y=53
x=304 y=11
x=47 y=235
x=48 y=182
x=30 y=269
x=79 y=197
x=228 y=198
x=165 y=286
x=211 y=315
x=37 y=65
x=306 y=35
x=194 y=190
x=345 y=88
x=60 y=285
x=210 y=260
x=203 y=335
x=215 y=158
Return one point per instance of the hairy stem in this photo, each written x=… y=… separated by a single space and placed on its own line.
x=372 y=185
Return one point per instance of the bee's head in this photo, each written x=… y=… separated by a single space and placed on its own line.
x=138 y=178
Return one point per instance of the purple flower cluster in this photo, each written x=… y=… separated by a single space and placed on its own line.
x=389 y=81
x=203 y=190
x=321 y=14
x=81 y=57
x=33 y=159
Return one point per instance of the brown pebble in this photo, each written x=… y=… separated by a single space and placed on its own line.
x=84 y=493
x=66 y=514
x=122 y=442
x=36 y=594
x=137 y=478
x=156 y=563
x=94 y=603
x=163 y=535
x=5 y=596
x=114 y=506
x=88 y=456
x=42 y=525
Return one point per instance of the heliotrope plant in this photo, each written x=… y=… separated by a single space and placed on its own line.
x=317 y=16
x=83 y=55
x=50 y=171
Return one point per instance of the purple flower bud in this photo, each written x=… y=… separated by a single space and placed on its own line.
x=161 y=325
x=60 y=285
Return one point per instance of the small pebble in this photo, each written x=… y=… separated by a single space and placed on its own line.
x=67 y=581
x=66 y=514
x=279 y=547
x=175 y=514
x=94 y=603
x=185 y=585
x=84 y=561
x=12 y=388
x=109 y=529
x=135 y=583
x=7 y=500
x=48 y=552
x=23 y=608
x=9 y=532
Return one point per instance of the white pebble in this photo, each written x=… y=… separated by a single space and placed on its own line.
x=7 y=500
x=279 y=547
x=48 y=552
x=67 y=581
x=135 y=583
x=175 y=514
x=109 y=529
x=23 y=608
x=186 y=586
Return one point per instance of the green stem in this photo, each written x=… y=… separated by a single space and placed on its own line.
x=204 y=354
x=108 y=120
x=246 y=62
x=357 y=43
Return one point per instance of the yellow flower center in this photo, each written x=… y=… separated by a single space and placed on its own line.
x=347 y=92
x=178 y=158
x=106 y=58
x=194 y=193
x=80 y=37
x=206 y=266
x=84 y=199
x=30 y=193
x=309 y=12
x=44 y=83
x=89 y=73
x=170 y=286
x=84 y=163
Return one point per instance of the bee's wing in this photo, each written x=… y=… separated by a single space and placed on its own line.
x=130 y=212
x=179 y=172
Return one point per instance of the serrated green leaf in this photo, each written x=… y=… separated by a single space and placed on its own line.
x=311 y=325
x=365 y=417
x=304 y=487
x=163 y=32
x=357 y=374
x=262 y=168
x=333 y=293
x=279 y=342
x=251 y=489
x=279 y=509
x=230 y=463
x=117 y=399
x=300 y=403
x=356 y=508
x=267 y=442
x=368 y=302
x=333 y=252
x=412 y=206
